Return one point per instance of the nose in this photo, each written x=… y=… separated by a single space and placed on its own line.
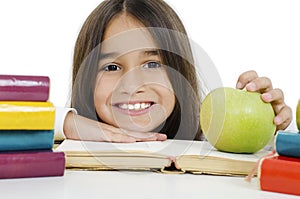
x=132 y=82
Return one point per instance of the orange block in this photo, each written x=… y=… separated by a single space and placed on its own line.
x=280 y=174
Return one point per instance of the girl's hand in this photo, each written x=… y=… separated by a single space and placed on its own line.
x=251 y=82
x=81 y=128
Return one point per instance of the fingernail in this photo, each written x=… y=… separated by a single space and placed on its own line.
x=239 y=85
x=266 y=97
x=162 y=136
x=277 y=120
x=251 y=87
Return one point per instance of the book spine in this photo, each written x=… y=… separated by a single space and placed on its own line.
x=19 y=115
x=287 y=144
x=14 y=140
x=24 y=88
x=35 y=164
x=280 y=174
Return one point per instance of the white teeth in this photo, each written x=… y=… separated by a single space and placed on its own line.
x=123 y=106
x=130 y=106
x=144 y=106
x=137 y=106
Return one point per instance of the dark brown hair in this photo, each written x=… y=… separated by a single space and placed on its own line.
x=169 y=34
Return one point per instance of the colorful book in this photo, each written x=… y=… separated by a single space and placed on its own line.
x=19 y=115
x=31 y=164
x=287 y=144
x=14 y=140
x=24 y=88
x=280 y=174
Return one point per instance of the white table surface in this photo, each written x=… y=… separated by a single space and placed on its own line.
x=141 y=185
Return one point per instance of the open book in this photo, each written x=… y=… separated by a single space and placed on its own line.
x=187 y=156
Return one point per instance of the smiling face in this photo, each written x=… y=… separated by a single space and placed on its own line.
x=132 y=88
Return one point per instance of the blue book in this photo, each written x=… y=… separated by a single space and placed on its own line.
x=16 y=140
x=287 y=144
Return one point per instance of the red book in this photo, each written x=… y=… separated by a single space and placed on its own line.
x=31 y=164
x=24 y=88
x=280 y=174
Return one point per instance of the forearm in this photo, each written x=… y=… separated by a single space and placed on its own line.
x=60 y=117
x=81 y=128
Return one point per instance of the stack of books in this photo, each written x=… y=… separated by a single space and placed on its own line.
x=281 y=172
x=27 y=128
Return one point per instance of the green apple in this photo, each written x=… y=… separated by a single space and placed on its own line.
x=237 y=121
x=298 y=115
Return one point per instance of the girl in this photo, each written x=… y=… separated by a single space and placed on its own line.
x=134 y=78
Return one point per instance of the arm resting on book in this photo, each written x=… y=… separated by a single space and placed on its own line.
x=77 y=127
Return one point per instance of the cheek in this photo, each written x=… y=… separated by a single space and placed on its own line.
x=102 y=96
x=162 y=86
x=171 y=104
x=167 y=100
x=168 y=96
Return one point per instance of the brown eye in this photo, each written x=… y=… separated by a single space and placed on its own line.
x=112 y=67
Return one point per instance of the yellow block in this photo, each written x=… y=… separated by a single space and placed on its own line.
x=26 y=115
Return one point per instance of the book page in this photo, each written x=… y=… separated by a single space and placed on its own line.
x=169 y=148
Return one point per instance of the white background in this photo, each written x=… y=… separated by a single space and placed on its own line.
x=37 y=38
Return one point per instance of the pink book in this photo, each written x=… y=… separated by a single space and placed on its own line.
x=24 y=88
x=27 y=164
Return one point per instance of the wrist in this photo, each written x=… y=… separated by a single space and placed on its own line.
x=69 y=128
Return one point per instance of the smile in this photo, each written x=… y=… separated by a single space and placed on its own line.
x=134 y=106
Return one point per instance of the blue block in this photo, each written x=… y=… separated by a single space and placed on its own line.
x=15 y=140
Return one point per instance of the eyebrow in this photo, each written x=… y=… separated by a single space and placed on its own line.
x=150 y=52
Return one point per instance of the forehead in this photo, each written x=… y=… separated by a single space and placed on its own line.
x=124 y=34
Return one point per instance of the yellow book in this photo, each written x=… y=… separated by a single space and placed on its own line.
x=197 y=157
x=16 y=115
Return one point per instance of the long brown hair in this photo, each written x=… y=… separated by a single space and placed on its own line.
x=183 y=123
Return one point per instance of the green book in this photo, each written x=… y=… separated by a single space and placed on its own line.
x=15 y=140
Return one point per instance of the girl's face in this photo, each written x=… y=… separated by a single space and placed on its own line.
x=132 y=89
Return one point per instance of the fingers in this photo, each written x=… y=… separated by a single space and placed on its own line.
x=117 y=138
x=143 y=136
x=113 y=134
x=283 y=118
x=282 y=111
x=123 y=138
x=276 y=96
x=245 y=78
x=82 y=128
x=253 y=83
x=152 y=137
